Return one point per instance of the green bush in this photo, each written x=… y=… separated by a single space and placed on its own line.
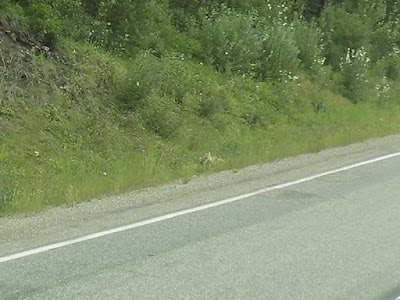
x=389 y=65
x=308 y=39
x=385 y=37
x=354 y=70
x=92 y=7
x=43 y=22
x=115 y=33
x=230 y=40
x=163 y=90
x=149 y=75
x=76 y=23
x=40 y=17
x=280 y=55
x=342 y=31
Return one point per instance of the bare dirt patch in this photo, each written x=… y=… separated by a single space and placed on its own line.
x=18 y=48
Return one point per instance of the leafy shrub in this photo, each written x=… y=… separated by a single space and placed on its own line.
x=76 y=23
x=354 y=74
x=342 y=31
x=230 y=40
x=279 y=57
x=110 y=31
x=41 y=18
x=283 y=11
x=384 y=38
x=389 y=65
x=43 y=21
x=150 y=75
x=92 y=7
x=309 y=42
x=162 y=90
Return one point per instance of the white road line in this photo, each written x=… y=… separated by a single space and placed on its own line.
x=187 y=211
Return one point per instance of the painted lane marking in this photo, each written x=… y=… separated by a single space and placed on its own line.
x=188 y=211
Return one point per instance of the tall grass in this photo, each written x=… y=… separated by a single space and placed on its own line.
x=65 y=152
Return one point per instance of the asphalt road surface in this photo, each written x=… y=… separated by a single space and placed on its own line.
x=316 y=236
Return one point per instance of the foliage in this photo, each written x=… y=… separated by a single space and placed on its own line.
x=308 y=39
x=151 y=75
x=39 y=15
x=132 y=93
x=280 y=54
x=230 y=41
x=354 y=74
x=313 y=8
x=76 y=23
x=389 y=65
x=342 y=30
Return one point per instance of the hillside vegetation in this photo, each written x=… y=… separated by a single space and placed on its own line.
x=102 y=96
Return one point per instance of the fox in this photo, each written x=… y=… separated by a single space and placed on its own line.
x=207 y=159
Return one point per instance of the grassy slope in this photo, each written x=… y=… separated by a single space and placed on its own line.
x=65 y=139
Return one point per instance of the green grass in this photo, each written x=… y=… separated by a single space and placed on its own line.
x=82 y=141
x=69 y=174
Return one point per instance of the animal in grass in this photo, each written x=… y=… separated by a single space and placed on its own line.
x=207 y=159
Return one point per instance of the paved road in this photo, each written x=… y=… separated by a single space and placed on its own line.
x=334 y=237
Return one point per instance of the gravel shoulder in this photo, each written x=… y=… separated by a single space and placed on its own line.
x=20 y=232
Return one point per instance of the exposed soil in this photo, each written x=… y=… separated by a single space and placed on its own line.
x=18 y=47
x=14 y=36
